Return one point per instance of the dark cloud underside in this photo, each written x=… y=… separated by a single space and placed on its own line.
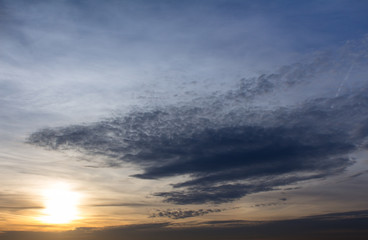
x=229 y=144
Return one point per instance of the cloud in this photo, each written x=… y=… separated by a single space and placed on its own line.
x=120 y=205
x=347 y=225
x=358 y=174
x=17 y=203
x=180 y=214
x=19 y=208
x=236 y=143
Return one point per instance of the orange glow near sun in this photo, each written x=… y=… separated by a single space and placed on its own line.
x=61 y=205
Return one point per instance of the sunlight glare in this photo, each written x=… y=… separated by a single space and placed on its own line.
x=60 y=205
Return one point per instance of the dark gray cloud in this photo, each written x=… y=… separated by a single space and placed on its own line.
x=358 y=174
x=270 y=204
x=335 y=226
x=179 y=214
x=232 y=144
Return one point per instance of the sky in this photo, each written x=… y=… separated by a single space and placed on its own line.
x=164 y=119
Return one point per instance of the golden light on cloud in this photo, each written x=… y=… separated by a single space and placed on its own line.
x=61 y=205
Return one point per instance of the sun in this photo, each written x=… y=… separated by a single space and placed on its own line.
x=61 y=205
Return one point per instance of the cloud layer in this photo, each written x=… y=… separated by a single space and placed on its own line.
x=297 y=124
x=337 y=226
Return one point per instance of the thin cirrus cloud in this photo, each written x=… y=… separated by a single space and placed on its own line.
x=264 y=134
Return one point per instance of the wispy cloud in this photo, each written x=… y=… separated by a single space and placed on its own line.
x=180 y=214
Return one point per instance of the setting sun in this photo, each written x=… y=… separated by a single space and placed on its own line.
x=60 y=205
